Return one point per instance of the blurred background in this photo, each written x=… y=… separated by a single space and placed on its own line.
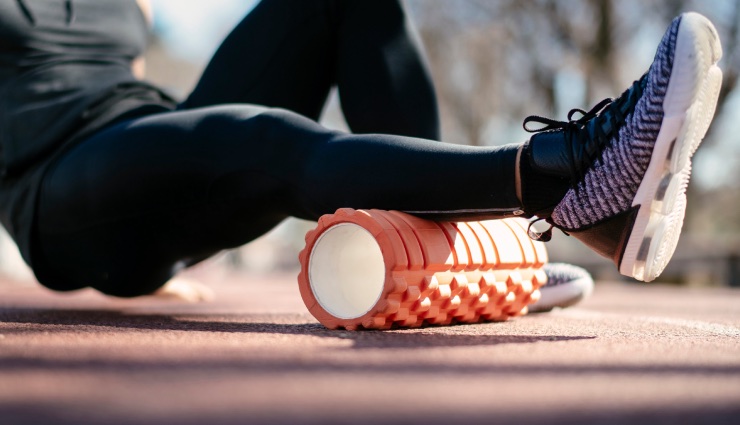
x=494 y=63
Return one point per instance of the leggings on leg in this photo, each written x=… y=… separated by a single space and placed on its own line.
x=289 y=53
x=125 y=208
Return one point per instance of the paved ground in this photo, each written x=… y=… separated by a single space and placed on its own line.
x=636 y=354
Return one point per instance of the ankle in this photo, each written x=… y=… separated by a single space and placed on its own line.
x=538 y=190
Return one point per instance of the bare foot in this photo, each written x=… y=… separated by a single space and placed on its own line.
x=184 y=289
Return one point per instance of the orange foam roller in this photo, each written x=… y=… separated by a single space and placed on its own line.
x=378 y=269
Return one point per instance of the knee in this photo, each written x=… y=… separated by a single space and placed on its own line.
x=237 y=122
x=265 y=135
x=277 y=124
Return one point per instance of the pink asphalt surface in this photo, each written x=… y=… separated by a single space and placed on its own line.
x=633 y=353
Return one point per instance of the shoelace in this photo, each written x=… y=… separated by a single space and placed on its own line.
x=586 y=137
x=579 y=142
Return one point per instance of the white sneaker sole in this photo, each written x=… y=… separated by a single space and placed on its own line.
x=689 y=105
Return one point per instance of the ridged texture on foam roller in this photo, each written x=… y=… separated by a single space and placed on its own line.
x=439 y=273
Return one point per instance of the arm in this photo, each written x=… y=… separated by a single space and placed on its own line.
x=138 y=66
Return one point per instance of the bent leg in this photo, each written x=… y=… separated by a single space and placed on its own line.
x=288 y=53
x=125 y=208
x=280 y=55
x=384 y=84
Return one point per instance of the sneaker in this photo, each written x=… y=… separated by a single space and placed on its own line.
x=566 y=285
x=628 y=160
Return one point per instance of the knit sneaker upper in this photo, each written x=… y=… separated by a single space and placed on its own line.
x=563 y=273
x=566 y=285
x=610 y=184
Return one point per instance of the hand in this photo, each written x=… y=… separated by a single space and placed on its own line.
x=138 y=66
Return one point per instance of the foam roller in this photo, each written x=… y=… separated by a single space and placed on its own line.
x=378 y=269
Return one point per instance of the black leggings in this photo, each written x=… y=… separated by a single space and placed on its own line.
x=128 y=206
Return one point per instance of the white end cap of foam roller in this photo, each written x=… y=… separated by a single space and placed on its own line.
x=346 y=271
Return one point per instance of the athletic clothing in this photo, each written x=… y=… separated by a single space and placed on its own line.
x=122 y=209
x=65 y=72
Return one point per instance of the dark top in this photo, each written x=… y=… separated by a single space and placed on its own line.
x=65 y=72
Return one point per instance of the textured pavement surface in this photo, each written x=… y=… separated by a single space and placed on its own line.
x=633 y=353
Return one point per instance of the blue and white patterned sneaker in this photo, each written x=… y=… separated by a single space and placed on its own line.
x=566 y=286
x=629 y=159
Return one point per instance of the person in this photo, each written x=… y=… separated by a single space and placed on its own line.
x=109 y=182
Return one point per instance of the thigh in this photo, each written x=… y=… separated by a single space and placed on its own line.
x=125 y=208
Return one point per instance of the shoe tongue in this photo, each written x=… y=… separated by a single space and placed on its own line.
x=606 y=127
x=549 y=153
x=625 y=103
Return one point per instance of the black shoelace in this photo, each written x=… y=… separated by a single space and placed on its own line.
x=586 y=137
x=580 y=143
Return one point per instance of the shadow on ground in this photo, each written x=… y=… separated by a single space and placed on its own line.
x=63 y=414
x=429 y=337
